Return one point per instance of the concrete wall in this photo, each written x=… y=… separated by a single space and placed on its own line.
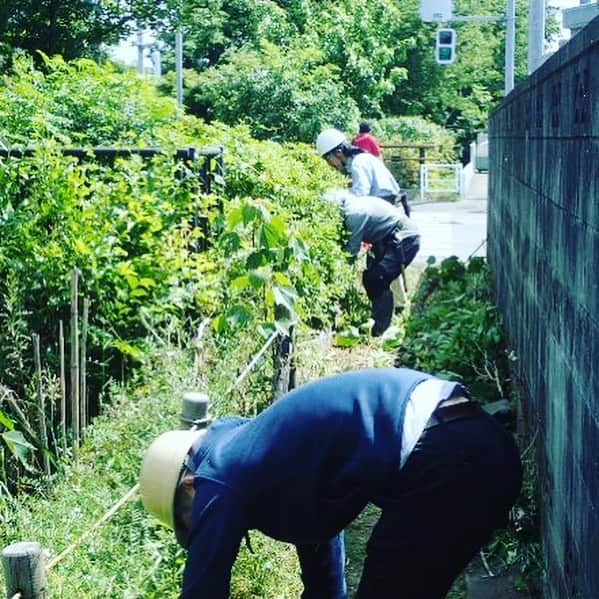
x=543 y=248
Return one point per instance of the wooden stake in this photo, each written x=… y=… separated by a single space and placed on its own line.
x=83 y=368
x=6 y=394
x=25 y=570
x=282 y=365
x=63 y=389
x=75 y=360
x=41 y=401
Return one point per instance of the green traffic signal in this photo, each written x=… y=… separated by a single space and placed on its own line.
x=445 y=54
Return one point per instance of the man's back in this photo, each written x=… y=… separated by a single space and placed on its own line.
x=319 y=453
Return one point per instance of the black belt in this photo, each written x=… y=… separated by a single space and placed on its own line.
x=458 y=411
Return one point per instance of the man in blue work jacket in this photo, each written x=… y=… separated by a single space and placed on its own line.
x=443 y=472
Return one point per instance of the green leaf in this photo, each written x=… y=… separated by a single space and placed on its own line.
x=239 y=316
x=6 y=421
x=127 y=349
x=285 y=296
x=234 y=217
x=347 y=338
x=250 y=213
x=220 y=324
x=19 y=447
x=256 y=259
x=271 y=236
x=259 y=277
x=282 y=279
x=300 y=251
x=240 y=282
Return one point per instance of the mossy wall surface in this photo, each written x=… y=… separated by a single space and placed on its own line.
x=543 y=248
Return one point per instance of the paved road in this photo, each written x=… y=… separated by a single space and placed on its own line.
x=454 y=228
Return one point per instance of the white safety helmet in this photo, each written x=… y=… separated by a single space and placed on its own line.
x=161 y=468
x=328 y=140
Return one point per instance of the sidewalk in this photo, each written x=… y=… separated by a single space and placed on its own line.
x=454 y=228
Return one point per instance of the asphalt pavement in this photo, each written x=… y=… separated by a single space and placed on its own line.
x=453 y=228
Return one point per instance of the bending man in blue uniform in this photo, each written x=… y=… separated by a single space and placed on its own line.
x=443 y=472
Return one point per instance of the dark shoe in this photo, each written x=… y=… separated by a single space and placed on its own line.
x=377 y=331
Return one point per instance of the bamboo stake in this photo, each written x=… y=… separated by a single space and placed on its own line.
x=75 y=360
x=41 y=401
x=63 y=389
x=7 y=394
x=83 y=369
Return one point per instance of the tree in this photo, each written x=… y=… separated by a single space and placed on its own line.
x=74 y=28
x=71 y=28
x=285 y=93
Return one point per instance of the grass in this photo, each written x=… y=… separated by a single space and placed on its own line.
x=132 y=556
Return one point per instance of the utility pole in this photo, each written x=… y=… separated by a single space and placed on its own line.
x=179 y=61
x=536 y=34
x=140 y=51
x=510 y=44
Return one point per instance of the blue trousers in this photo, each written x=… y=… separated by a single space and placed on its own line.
x=323 y=569
x=385 y=265
x=455 y=489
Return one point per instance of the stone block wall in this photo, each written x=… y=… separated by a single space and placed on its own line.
x=543 y=249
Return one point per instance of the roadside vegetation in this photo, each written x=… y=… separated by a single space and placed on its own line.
x=181 y=285
x=132 y=555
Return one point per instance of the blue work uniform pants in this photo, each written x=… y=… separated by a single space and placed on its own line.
x=386 y=265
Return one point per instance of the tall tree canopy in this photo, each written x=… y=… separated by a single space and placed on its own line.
x=289 y=67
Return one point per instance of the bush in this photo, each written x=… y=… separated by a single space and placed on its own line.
x=455 y=330
x=285 y=94
x=415 y=130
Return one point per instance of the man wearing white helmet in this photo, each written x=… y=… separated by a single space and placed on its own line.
x=369 y=175
x=394 y=241
x=442 y=470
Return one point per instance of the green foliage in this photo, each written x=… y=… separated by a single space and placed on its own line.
x=414 y=130
x=129 y=227
x=367 y=40
x=74 y=28
x=278 y=92
x=71 y=28
x=454 y=329
x=80 y=102
x=269 y=63
x=216 y=26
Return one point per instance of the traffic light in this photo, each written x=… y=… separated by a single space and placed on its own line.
x=445 y=46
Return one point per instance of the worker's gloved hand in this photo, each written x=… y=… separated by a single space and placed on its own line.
x=335 y=196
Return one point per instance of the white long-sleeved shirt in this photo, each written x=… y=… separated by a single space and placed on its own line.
x=370 y=177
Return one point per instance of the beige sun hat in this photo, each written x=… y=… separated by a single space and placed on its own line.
x=161 y=468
